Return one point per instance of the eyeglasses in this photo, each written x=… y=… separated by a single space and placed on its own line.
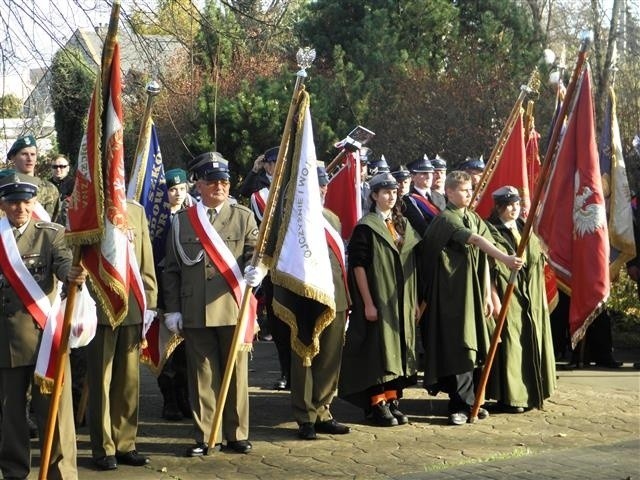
x=59 y=166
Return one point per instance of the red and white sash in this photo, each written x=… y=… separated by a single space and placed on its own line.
x=335 y=243
x=259 y=202
x=224 y=261
x=39 y=213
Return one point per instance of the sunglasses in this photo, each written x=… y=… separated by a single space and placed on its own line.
x=59 y=166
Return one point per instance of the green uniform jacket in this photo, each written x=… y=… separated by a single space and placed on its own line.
x=376 y=352
x=48 y=197
x=524 y=373
x=199 y=291
x=139 y=235
x=455 y=330
x=341 y=294
x=46 y=256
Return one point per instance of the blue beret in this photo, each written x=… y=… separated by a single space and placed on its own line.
x=175 y=176
x=20 y=143
x=15 y=186
x=209 y=166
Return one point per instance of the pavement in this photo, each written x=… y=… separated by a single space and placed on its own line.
x=589 y=429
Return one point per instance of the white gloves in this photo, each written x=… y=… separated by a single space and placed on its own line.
x=254 y=275
x=173 y=321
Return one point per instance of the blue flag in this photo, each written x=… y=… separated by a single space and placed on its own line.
x=148 y=186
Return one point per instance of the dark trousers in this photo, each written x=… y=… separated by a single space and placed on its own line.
x=280 y=331
x=460 y=390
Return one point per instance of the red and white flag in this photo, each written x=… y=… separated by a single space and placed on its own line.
x=343 y=194
x=572 y=220
x=97 y=213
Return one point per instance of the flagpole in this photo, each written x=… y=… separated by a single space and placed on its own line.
x=496 y=155
x=105 y=72
x=526 y=232
x=152 y=89
x=61 y=361
x=304 y=57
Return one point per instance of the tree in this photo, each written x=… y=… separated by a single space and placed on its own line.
x=71 y=88
x=10 y=106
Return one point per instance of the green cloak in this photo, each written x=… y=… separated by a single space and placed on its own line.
x=524 y=372
x=382 y=351
x=455 y=329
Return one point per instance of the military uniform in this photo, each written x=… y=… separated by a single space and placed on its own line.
x=48 y=197
x=205 y=300
x=46 y=256
x=313 y=387
x=114 y=358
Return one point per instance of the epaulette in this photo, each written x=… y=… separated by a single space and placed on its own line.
x=241 y=207
x=50 y=225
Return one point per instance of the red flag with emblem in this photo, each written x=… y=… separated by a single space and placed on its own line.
x=343 y=194
x=573 y=222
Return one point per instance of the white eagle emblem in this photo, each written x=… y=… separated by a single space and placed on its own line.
x=587 y=218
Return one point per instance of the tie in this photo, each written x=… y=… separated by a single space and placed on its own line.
x=16 y=233
x=392 y=229
x=516 y=235
x=212 y=214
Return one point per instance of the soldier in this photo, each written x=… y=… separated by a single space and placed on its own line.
x=37 y=255
x=113 y=363
x=24 y=155
x=173 y=378
x=208 y=239
x=261 y=173
x=313 y=387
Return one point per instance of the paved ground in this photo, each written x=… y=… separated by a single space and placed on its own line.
x=590 y=428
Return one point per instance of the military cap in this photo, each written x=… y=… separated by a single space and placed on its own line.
x=401 y=173
x=439 y=163
x=506 y=195
x=365 y=153
x=378 y=166
x=421 y=165
x=473 y=164
x=20 y=143
x=271 y=155
x=16 y=186
x=175 y=176
x=382 y=180
x=209 y=166
x=323 y=178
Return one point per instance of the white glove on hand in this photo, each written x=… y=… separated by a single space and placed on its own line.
x=254 y=275
x=173 y=321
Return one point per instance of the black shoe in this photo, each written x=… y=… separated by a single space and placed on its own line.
x=332 y=427
x=401 y=417
x=281 y=384
x=107 y=462
x=171 y=412
x=240 y=446
x=307 y=431
x=198 y=450
x=381 y=415
x=609 y=363
x=458 y=418
x=510 y=408
x=132 y=458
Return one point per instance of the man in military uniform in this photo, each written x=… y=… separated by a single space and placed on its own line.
x=24 y=155
x=313 y=387
x=261 y=173
x=474 y=167
x=420 y=209
x=210 y=238
x=113 y=363
x=36 y=249
x=437 y=185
